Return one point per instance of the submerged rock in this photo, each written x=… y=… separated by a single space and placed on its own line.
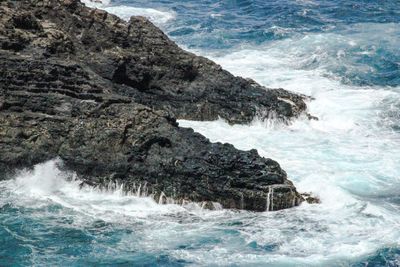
x=102 y=94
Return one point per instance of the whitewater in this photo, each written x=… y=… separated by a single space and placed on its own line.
x=346 y=58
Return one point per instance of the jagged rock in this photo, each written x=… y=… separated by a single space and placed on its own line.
x=103 y=95
x=141 y=62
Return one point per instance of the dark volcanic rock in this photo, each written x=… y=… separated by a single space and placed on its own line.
x=141 y=62
x=102 y=95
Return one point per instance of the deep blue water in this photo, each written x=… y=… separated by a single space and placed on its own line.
x=345 y=54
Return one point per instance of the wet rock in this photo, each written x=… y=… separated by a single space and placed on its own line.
x=103 y=95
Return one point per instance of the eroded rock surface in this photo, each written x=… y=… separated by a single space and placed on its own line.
x=140 y=61
x=104 y=95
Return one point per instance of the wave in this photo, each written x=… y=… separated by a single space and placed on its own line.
x=359 y=55
x=47 y=182
x=355 y=134
x=156 y=16
x=340 y=228
x=323 y=65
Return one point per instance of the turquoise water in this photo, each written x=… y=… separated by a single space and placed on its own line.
x=343 y=53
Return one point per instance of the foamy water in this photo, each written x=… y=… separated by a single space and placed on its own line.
x=158 y=17
x=349 y=157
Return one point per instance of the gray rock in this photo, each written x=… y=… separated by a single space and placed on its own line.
x=103 y=95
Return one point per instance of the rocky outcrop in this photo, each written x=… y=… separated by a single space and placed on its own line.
x=103 y=95
x=141 y=62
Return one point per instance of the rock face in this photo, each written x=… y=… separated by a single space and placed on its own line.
x=104 y=95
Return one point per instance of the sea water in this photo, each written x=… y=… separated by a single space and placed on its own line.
x=345 y=54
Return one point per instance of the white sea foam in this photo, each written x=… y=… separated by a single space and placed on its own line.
x=46 y=182
x=158 y=17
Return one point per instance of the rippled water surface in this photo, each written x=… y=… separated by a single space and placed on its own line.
x=345 y=54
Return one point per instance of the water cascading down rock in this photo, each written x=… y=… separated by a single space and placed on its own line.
x=103 y=95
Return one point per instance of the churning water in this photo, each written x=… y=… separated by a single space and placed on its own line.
x=345 y=54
